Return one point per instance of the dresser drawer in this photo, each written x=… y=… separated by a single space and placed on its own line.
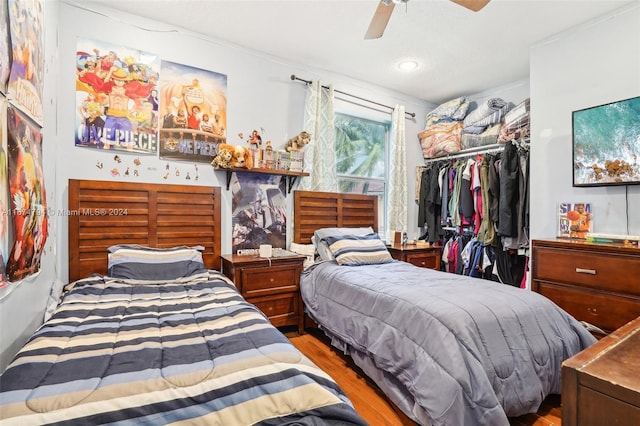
x=613 y=272
x=274 y=279
x=604 y=310
x=424 y=260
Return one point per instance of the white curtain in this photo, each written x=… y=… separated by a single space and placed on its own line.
x=397 y=217
x=319 y=155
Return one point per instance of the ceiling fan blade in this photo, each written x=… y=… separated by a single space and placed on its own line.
x=474 y=5
x=379 y=21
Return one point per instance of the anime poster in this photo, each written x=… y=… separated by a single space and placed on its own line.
x=28 y=196
x=259 y=214
x=4 y=197
x=27 y=46
x=116 y=98
x=5 y=47
x=193 y=107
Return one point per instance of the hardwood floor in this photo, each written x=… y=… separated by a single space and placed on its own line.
x=371 y=403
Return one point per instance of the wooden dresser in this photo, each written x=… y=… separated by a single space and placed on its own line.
x=601 y=385
x=272 y=284
x=425 y=257
x=597 y=283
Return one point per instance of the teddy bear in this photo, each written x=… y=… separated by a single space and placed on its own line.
x=223 y=159
x=298 y=142
x=241 y=156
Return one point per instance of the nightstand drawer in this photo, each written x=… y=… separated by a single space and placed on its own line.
x=423 y=257
x=275 y=279
x=281 y=309
x=424 y=260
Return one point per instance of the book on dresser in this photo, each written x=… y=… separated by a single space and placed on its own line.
x=574 y=220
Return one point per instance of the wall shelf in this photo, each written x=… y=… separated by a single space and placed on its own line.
x=290 y=176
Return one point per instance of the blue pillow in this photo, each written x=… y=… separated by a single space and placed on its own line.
x=354 y=250
x=135 y=262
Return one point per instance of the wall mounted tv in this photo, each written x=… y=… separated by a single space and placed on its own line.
x=606 y=144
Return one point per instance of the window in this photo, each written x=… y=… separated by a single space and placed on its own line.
x=362 y=159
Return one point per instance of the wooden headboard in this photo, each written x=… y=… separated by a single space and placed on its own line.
x=104 y=213
x=313 y=210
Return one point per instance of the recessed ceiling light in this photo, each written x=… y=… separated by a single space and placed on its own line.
x=408 y=65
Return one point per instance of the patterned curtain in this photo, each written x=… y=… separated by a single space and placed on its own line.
x=398 y=217
x=319 y=155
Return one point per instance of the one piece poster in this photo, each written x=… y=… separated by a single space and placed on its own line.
x=193 y=107
x=259 y=213
x=5 y=216
x=574 y=220
x=28 y=195
x=27 y=46
x=116 y=98
x=5 y=47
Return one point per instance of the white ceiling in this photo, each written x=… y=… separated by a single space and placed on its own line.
x=460 y=52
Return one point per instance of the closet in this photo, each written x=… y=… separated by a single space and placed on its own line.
x=474 y=204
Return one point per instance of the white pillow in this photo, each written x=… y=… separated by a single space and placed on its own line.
x=323 y=248
x=308 y=250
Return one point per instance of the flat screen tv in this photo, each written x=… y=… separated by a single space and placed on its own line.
x=606 y=144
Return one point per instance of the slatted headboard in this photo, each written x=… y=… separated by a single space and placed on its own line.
x=313 y=210
x=104 y=213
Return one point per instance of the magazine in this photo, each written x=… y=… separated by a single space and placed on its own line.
x=574 y=220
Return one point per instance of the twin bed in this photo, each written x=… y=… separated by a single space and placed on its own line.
x=157 y=336
x=148 y=332
x=446 y=349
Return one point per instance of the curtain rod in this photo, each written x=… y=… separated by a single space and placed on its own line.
x=294 y=77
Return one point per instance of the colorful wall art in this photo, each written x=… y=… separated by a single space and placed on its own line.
x=116 y=98
x=193 y=107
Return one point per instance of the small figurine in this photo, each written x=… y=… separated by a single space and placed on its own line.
x=255 y=141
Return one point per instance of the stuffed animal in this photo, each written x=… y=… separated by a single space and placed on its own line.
x=223 y=159
x=298 y=142
x=241 y=156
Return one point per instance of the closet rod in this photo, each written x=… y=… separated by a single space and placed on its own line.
x=294 y=77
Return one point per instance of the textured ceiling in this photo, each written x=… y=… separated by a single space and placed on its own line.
x=460 y=52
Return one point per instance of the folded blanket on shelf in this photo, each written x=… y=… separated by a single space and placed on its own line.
x=441 y=139
x=487 y=114
x=516 y=123
x=453 y=110
x=488 y=137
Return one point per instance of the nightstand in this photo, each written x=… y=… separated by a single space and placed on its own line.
x=425 y=257
x=272 y=284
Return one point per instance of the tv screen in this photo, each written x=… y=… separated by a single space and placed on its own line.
x=606 y=144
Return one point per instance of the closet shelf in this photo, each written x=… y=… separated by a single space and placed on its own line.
x=484 y=149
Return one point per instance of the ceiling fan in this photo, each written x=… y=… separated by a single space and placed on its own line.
x=385 y=7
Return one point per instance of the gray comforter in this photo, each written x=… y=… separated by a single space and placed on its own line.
x=447 y=349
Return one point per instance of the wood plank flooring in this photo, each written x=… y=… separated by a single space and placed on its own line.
x=371 y=403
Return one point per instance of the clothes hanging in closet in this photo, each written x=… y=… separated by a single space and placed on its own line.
x=488 y=195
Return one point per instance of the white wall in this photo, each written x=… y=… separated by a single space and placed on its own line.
x=589 y=65
x=260 y=94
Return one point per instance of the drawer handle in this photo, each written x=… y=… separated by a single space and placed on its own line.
x=592 y=311
x=586 y=271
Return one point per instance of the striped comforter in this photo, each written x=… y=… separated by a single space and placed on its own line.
x=193 y=352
